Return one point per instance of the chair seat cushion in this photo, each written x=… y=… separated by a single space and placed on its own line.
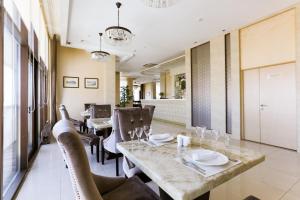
x=90 y=138
x=132 y=189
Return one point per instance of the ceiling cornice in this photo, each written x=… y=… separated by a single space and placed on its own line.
x=65 y=8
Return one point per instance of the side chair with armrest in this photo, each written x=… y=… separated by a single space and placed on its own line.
x=89 y=138
x=89 y=186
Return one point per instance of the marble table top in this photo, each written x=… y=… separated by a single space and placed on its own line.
x=99 y=123
x=180 y=182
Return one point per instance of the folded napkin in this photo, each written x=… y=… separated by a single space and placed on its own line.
x=210 y=170
x=184 y=140
x=204 y=155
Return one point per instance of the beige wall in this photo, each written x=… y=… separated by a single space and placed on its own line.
x=269 y=42
x=298 y=72
x=217 y=59
x=117 y=88
x=77 y=63
x=217 y=86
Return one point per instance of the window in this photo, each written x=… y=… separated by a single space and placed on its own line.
x=11 y=103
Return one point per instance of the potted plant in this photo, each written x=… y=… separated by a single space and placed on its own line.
x=126 y=96
x=161 y=94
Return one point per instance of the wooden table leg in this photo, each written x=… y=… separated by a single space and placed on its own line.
x=164 y=196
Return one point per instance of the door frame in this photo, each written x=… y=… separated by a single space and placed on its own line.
x=243 y=100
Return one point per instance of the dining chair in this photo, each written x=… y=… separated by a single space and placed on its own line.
x=77 y=123
x=101 y=111
x=109 y=144
x=151 y=110
x=129 y=119
x=87 y=185
x=89 y=138
x=86 y=107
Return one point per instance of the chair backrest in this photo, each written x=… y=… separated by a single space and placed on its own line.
x=151 y=109
x=130 y=118
x=101 y=111
x=63 y=112
x=88 y=105
x=75 y=157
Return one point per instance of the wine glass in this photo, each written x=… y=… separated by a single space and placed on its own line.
x=147 y=131
x=131 y=134
x=139 y=132
x=216 y=135
x=227 y=138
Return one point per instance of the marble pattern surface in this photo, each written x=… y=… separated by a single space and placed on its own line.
x=177 y=180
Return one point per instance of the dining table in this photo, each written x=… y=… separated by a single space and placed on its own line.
x=165 y=165
x=99 y=124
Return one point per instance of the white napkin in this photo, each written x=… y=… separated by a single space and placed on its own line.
x=203 y=155
x=211 y=170
x=184 y=140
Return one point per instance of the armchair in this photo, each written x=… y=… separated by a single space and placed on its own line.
x=87 y=185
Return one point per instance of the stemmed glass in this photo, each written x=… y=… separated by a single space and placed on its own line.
x=200 y=131
x=216 y=135
x=139 y=132
x=131 y=134
x=147 y=131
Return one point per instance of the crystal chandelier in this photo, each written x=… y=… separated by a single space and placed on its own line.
x=99 y=55
x=118 y=35
x=160 y=3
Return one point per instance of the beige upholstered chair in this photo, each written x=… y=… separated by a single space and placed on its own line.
x=151 y=109
x=88 y=186
x=130 y=118
x=89 y=138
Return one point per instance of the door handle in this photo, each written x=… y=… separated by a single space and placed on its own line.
x=262 y=106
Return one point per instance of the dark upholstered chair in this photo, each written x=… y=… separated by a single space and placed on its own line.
x=101 y=111
x=87 y=106
x=109 y=144
x=129 y=119
x=77 y=123
x=88 y=186
x=89 y=138
x=151 y=109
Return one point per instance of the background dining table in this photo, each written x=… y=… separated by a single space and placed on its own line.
x=176 y=180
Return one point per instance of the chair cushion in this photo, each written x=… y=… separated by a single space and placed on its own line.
x=90 y=138
x=132 y=189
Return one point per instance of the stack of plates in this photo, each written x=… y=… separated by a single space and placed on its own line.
x=208 y=157
x=161 y=138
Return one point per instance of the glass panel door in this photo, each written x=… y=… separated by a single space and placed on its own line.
x=11 y=105
x=31 y=107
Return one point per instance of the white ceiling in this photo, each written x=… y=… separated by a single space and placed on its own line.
x=159 y=33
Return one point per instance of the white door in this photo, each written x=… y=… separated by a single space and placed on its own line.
x=278 y=106
x=251 y=105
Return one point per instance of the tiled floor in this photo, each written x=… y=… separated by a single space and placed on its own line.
x=276 y=178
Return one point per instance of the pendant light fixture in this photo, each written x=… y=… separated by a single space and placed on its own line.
x=118 y=35
x=100 y=55
x=159 y=3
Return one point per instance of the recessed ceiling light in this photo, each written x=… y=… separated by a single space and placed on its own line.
x=81 y=40
x=200 y=19
x=195 y=42
x=224 y=30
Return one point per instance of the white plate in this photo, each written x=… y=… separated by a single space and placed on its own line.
x=159 y=137
x=220 y=159
x=170 y=138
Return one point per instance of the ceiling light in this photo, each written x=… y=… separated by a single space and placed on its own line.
x=118 y=35
x=160 y=3
x=99 y=55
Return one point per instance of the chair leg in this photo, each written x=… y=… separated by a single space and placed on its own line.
x=117 y=165
x=92 y=149
x=97 y=152
x=102 y=153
